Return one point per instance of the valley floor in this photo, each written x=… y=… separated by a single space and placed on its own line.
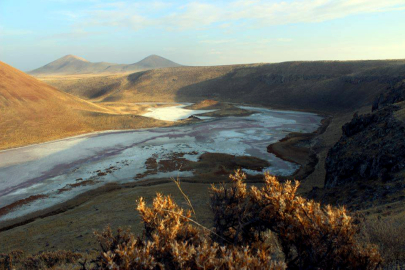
x=70 y=225
x=213 y=168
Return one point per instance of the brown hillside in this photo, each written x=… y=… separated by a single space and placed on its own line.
x=322 y=86
x=32 y=111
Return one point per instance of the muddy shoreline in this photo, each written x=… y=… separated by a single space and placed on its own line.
x=110 y=187
x=299 y=148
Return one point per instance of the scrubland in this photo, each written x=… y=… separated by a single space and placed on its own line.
x=270 y=227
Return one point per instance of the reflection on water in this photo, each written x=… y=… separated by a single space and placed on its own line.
x=173 y=113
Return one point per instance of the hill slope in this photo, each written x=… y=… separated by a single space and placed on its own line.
x=154 y=61
x=368 y=160
x=315 y=86
x=71 y=64
x=32 y=111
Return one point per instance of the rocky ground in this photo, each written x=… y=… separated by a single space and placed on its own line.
x=367 y=165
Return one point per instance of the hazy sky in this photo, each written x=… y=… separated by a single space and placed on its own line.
x=33 y=33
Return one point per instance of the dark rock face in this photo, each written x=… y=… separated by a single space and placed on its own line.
x=394 y=95
x=193 y=117
x=372 y=146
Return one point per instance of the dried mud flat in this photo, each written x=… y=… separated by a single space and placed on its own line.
x=199 y=152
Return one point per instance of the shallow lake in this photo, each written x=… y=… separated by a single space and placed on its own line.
x=174 y=113
x=48 y=168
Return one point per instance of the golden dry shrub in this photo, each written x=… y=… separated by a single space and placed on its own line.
x=311 y=236
x=172 y=240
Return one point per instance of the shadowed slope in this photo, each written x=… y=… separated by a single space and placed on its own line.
x=153 y=85
x=322 y=86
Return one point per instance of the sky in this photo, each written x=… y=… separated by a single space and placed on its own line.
x=34 y=33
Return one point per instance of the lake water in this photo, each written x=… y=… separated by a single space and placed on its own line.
x=49 y=167
x=174 y=113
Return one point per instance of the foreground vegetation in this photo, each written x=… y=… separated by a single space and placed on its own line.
x=253 y=228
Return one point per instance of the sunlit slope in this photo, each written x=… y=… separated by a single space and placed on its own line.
x=322 y=86
x=32 y=111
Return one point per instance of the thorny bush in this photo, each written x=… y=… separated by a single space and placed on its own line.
x=171 y=241
x=310 y=236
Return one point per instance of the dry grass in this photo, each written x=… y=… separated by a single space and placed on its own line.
x=73 y=229
x=85 y=86
x=45 y=260
x=388 y=234
x=46 y=125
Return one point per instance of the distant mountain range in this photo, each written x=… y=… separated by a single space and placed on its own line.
x=71 y=64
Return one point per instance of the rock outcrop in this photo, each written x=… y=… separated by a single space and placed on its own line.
x=394 y=95
x=372 y=146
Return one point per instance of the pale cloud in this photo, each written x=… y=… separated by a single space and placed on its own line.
x=217 y=41
x=74 y=34
x=169 y=49
x=225 y=25
x=309 y=11
x=14 y=32
x=200 y=16
x=215 y=52
x=115 y=18
x=111 y=5
x=193 y=15
x=283 y=39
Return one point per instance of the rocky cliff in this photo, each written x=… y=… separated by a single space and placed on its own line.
x=372 y=146
x=370 y=155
